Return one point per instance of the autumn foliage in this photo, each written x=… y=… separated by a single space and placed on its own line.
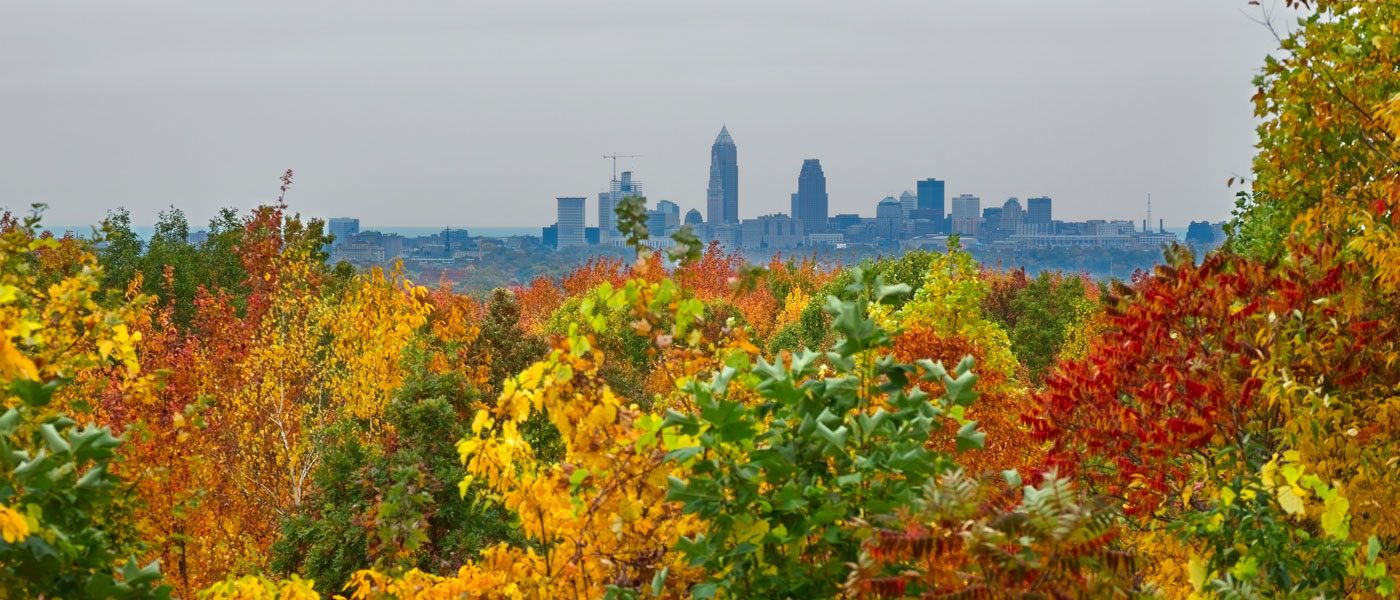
x=238 y=419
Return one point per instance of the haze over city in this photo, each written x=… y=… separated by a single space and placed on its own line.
x=481 y=114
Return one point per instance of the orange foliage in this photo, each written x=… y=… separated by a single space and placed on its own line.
x=537 y=302
x=594 y=272
x=709 y=278
x=997 y=411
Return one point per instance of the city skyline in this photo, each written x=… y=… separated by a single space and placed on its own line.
x=418 y=113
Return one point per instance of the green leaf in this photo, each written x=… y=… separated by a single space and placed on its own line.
x=1373 y=549
x=969 y=437
x=890 y=294
x=704 y=591
x=9 y=421
x=659 y=581
x=683 y=454
x=577 y=477
x=837 y=438
x=1012 y=477
x=698 y=550
x=94 y=478
x=730 y=420
x=1247 y=568
x=54 y=441
x=33 y=393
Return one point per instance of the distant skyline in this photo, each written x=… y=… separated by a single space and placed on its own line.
x=481 y=114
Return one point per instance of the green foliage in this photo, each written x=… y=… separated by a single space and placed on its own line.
x=630 y=354
x=393 y=504
x=835 y=446
x=512 y=350
x=1257 y=228
x=1254 y=548
x=55 y=476
x=120 y=252
x=632 y=221
x=788 y=338
x=1044 y=309
x=687 y=248
x=814 y=323
x=175 y=270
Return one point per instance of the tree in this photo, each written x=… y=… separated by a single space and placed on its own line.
x=774 y=482
x=395 y=506
x=63 y=526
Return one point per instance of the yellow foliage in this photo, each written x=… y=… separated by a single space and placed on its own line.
x=261 y=588
x=369 y=330
x=13 y=526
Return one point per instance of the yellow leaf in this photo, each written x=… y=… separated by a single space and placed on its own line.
x=1196 y=570
x=1289 y=501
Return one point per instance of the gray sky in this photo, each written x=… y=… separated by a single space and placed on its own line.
x=480 y=113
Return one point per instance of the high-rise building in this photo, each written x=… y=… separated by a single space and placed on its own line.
x=930 y=193
x=693 y=218
x=967 y=214
x=608 y=201
x=809 y=204
x=889 y=219
x=342 y=228
x=656 y=223
x=844 y=221
x=908 y=202
x=570 y=224
x=722 y=197
x=1038 y=215
x=1011 y=215
x=672 y=212
x=771 y=232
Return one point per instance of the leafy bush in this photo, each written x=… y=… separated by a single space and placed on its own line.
x=775 y=482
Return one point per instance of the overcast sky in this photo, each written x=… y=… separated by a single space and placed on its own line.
x=479 y=113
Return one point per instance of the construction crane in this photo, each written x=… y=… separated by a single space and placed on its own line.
x=614 y=156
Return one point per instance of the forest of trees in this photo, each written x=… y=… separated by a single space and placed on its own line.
x=239 y=419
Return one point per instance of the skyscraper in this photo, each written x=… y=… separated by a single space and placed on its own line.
x=570 y=223
x=1038 y=214
x=1011 y=215
x=931 y=196
x=608 y=201
x=967 y=214
x=342 y=228
x=722 y=198
x=809 y=204
x=672 y=211
x=889 y=219
x=908 y=202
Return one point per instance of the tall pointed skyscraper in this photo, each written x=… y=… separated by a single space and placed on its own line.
x=722 y=204
x=809 y=203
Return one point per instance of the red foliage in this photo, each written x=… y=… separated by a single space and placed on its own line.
x=1002 y=288
x=1172 y=375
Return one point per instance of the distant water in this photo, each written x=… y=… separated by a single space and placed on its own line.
x=492 y=232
